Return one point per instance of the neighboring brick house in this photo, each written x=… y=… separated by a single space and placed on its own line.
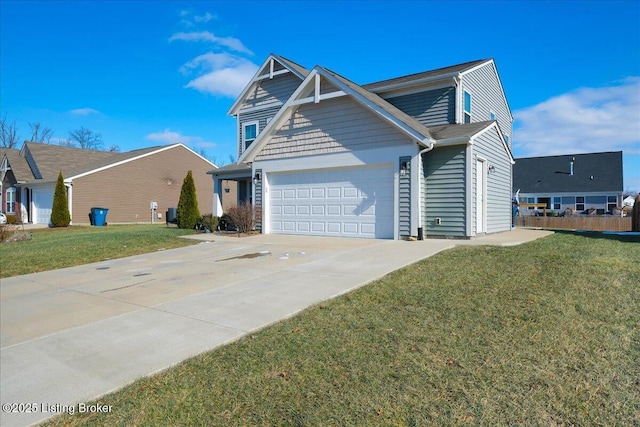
x=425 y=154
x=125 y=183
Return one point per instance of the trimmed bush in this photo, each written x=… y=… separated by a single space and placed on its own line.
x=187 y=213
x=60 y=216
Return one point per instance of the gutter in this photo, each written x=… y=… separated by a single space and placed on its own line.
x=430 y=143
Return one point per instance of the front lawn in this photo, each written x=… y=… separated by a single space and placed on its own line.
x=544 y=333
x=52 y=248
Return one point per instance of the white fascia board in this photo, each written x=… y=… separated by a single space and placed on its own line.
x=234 y=107
x=460 y=140
x=495 y=126
x=495 y=72
x=413 y=134
x=250 y=153
x=111 y=165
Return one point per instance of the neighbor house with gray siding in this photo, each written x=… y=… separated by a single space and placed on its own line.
x=427 y=154
x=575 y=183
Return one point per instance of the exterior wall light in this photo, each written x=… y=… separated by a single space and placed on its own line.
x=492 y=169
x=256 y=178
x=404 y=167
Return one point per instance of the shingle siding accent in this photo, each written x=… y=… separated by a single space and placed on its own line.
x=331 y=126
x=445 y=196
x=128 y=189
x=404 y=199
x=431 y=108
x=498 y=193
x=267 y=91
x=486 y=96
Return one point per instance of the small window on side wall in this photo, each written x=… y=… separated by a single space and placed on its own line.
x=492 y=115
x=467 y=107
x=579 y=203
x=249 y=133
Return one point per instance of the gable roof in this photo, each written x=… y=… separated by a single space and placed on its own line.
x=552 y=174
x=17 y=163
x=43 y=162
x=373 y=102
x=266 y=67
x=425 y=76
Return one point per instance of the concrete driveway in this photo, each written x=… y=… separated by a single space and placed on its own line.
x=71 y=335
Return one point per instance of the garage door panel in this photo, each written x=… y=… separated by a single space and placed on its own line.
x=346 y=201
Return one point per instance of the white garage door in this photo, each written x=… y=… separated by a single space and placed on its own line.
x=42 y=204
x=354 y=202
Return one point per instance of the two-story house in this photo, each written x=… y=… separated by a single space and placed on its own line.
x=421 y=155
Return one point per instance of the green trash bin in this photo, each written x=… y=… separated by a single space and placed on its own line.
x=99 y=216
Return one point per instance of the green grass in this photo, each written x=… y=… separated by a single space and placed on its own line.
x=544 y=334
x=53 y=248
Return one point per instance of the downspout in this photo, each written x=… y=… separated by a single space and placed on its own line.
x=430 y=145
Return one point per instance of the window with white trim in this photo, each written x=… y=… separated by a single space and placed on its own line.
x=579 y=203
x=249 y=133
x=556 y=203
x=612 y=203
x=10 y=195
x=531 y=200
x=492 y=115
x=467 y=107
x=506 y=139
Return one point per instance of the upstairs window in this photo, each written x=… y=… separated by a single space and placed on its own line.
x=249 y=133
x=467 y=107
x=506 y=139
x=492 y=115
x=11 y=200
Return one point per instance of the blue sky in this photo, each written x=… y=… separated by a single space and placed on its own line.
x=151 y=73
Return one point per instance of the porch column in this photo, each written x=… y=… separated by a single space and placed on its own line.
x=70 y=200
x=217 y=197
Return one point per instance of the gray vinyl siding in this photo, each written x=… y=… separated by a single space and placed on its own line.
x=434 y=107
x=331 y=126
x=404 y=200
x=444 y=170
x=278 y=89
x=486 y=96
x=498 y=194
x=423 y=193
x=257 y=200
x=261 y=116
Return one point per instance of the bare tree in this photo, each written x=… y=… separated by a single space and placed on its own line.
x=40 y=133
x=114 y=149
x=9 y=133
x=86 y=139
x=66 y=143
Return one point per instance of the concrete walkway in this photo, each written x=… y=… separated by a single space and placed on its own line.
x=72 y=335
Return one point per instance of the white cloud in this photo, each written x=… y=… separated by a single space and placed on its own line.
x=205 y=18
x=220 y=73
x=584 y=120
x=171 y=137
x=225 y=69
x=84 y=111
x=207 y=36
